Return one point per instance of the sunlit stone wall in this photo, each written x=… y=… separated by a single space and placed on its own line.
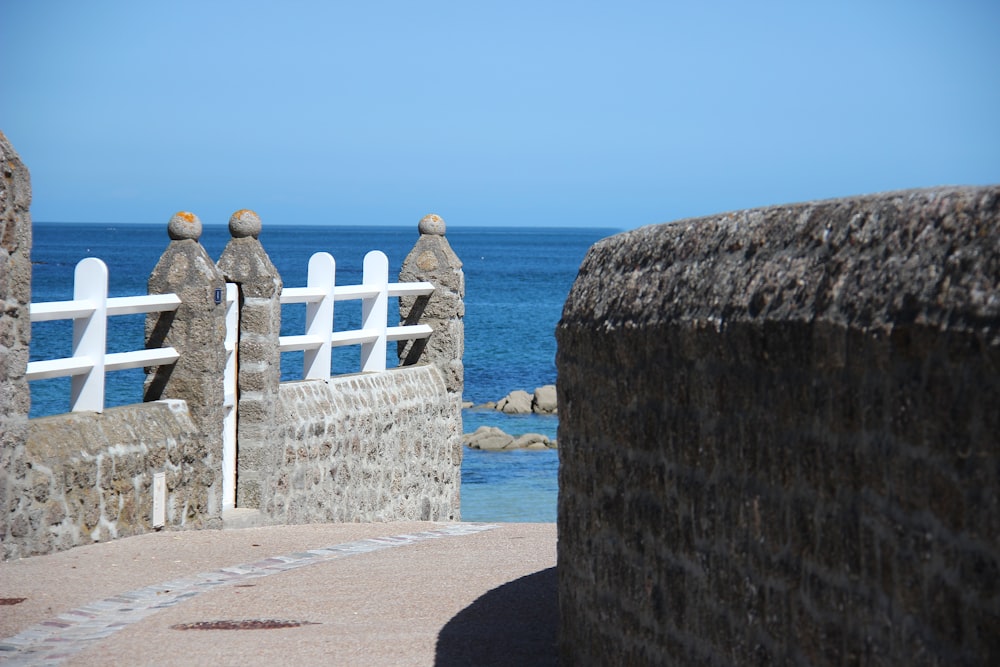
x=15 y=336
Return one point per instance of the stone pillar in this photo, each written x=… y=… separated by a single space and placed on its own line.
x=197 y=330
x=245 y=263
x=433 y=260
x=15 y=335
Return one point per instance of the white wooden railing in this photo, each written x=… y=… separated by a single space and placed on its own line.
x=319 y=295
x=90 y=309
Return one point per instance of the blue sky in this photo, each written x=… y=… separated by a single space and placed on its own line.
x=611 y=114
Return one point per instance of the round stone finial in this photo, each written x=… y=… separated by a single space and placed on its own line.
x=244 y=223
x=431 y=224
x=184 y=225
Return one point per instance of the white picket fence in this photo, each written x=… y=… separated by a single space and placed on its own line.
x=90 y=308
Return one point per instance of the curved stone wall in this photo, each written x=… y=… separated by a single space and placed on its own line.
x=779 y=437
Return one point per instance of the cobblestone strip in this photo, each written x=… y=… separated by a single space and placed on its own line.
x=52 y=641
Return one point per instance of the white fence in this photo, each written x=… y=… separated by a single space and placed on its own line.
x=90 y=308
x=320 y=294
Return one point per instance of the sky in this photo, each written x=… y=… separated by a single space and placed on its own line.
x=500 y=113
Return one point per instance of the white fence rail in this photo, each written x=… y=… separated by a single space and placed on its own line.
x=320 y=294
x=90 y=309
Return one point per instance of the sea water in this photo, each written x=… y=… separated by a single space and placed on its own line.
x=516 y=283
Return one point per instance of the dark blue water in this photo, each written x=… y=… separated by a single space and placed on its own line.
x=516 y=283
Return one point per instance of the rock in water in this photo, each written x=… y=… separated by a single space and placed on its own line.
x=488 y=437
x=532 y=441
x=517 y=402
x=544 y=401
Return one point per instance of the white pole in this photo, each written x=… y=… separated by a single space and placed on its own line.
x=230 y=401
x=90 y=282
x=319 y=316
x=375 y=310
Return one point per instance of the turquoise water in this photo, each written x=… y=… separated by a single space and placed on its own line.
x=516 y=283
x=510 y=486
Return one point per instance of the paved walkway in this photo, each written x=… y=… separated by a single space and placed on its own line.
x=412 y=593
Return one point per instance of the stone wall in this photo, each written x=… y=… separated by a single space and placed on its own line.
x=779 y=437
x=15 y=334
x=90 y=477
x=372 y=447
x=366 y=447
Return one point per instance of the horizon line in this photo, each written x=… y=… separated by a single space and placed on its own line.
x=333 y=224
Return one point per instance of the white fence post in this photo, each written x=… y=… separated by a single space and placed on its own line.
x=229 y=401
x=375 y=310
x=319 y=316
x=90 y=282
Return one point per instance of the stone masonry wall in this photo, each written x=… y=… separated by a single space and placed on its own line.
x=90 y=477
x=779 y=437
x=367 y=447
x=15 y=335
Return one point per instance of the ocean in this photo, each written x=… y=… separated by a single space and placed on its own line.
x=516 y=282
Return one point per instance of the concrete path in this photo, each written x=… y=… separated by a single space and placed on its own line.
x=414 y=593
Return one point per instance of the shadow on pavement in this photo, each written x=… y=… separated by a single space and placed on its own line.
x=514 y=624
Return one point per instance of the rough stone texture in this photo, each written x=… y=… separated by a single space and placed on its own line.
x=15 y=336
x=245 y=262
x=433 y=260
x=368 y=447
x=779 y=437
x=197 y=329
x=90 y=477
